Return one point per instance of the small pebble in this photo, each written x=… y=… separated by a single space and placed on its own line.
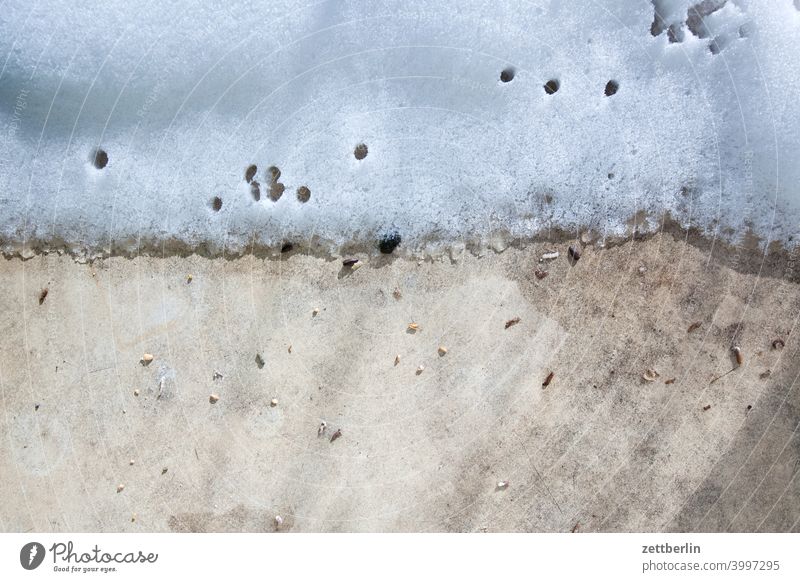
x=574 y=253
x=259 y=361
x=737 y=353
x=146 y=359
x=336 y=435
x=188 y=279
x=778 y=344
x=511 y=322
x=706 y=407
x=131 y=462
x=213 y=398
x=502 y=485
x=136 y=392
x=164 y=471
x=540 y=274
x=420 y=370
x=396 y=294
x=413 y=327
x=442 y=350
x=278 y=521
x=273 y=403
x=133 y=517
x=650 y=375
x=397 y=359
x=315 y=312
x=120 y=487
x=349 y=262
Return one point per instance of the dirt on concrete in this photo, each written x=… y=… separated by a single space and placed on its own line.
x=647 y=423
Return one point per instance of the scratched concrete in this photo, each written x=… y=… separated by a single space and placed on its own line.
x=599 y=449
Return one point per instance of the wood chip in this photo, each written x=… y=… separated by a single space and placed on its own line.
x=737 y=353
x=413 y=327
x=693 y=327
x=43 y=295
x=511 y=322
x=707 y=407
x=547 y=380
x=397 y=359
x=336 y=435
x=670 y=381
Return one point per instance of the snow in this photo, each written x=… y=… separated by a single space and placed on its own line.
x=184 y=98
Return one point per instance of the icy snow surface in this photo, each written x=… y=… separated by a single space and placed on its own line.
x=704 y=126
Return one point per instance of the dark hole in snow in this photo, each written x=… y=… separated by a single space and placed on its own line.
x=273 y=173
x=250 y=173
x=287 y=247
x=551 y=86
x=389 y=242
x=611 y=88
x=216 y=203
x=303 y=194
x=675 y=33
x=507 y=74
x=276 y=191
x=100 y=158
x=255 y=190
x=361 y=151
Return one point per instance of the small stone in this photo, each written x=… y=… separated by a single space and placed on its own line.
x=396 y=294
x=164 y=471
x=650 y=375
x=642 y=269
x=273 y=403
x=120 y=487
x=216 y=376
x=321 y=430
x=213 y=398
x=315 y=312
x=420 y=369
x=574 y=253
x=336 y=435
x=133 y=517
x=501 y=485
x=259 y=361
x=413 y=327
x=442 y=350
x=397 y=359
x=278 y=521
x=146 y=359
x=136 y=392
x=188 y=279
x=131 y=462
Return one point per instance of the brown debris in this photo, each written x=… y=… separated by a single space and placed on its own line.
x=213 y=398
x=336 y=435
x=540 y=274
x=693 y=327
x=707 y=407
x=547 y=380
x=737 y=352
x=778 y=344
x=670 y=381
x=765 y=374
x=43 y=295
x=511 y=322
x=650 y=375
x=576 y=526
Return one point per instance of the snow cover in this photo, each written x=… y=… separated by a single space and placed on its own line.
x=184 y=97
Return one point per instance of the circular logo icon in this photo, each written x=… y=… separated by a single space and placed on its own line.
x=31 y=555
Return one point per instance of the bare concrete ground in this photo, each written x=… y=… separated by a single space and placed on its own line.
x=598 y=449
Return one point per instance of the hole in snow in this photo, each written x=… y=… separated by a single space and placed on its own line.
x=507 y=74
x=216 y=203
x=551 y=86
x=255 y=190
x=273 y=173
x=250 y=173
x=361 y=151
x=303 y=194
x=611 y=88
x=100 y=158
x=276 y=191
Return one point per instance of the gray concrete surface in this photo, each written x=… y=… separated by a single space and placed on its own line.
x=599 y=449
